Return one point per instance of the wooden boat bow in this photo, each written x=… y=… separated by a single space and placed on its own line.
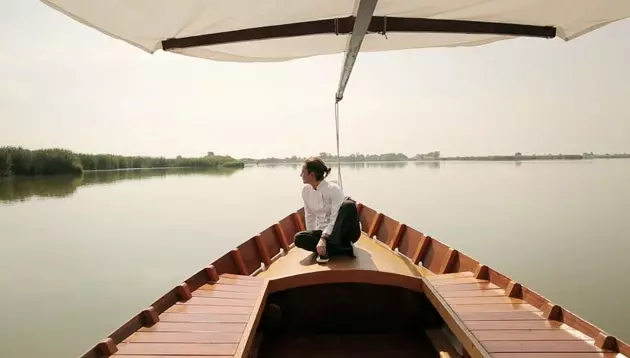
x=218 y=310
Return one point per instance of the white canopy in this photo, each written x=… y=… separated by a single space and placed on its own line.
x=147 y=23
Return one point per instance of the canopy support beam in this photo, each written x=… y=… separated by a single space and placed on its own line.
x=344 y=26
x=360 y=29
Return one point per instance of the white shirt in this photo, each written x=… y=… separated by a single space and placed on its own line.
x=321 y=206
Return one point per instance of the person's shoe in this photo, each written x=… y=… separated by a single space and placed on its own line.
x=322 y=259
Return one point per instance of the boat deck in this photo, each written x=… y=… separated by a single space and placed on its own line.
x=491 y=321
x=216 y=320
x=370 y=255
x=216 y=311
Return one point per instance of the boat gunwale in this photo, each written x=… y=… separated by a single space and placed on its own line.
x=282 y=235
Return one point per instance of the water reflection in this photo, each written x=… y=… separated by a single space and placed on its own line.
x=359 y=165
x=24 y=188
x=433 y=164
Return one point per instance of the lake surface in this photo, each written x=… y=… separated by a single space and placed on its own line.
x=79 y=257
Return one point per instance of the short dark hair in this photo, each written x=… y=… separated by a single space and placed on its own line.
x=316 y=165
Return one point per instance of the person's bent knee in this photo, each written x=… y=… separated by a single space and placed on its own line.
x=347 y=205
x=299 y=239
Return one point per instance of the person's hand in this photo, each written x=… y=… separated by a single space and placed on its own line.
x=321 y=247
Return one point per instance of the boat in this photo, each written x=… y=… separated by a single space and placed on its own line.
x=405 y=293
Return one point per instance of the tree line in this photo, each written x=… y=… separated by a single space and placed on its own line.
x=355 y=157
x=20 y=161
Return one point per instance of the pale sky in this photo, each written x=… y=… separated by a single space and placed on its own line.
x=66 y=85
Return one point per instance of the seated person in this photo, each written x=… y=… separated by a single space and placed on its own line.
x=332 y=220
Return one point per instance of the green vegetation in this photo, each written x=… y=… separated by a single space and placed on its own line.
x=356 y=157
x=20 y=161
x=431 y=156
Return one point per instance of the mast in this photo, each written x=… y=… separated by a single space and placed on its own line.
x=360 y=28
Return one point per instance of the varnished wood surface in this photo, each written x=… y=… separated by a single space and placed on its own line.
x=506 y=326
x=502 y=317
x=370 y=255
x=218 y=320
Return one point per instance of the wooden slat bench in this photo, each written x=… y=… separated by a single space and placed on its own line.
x=490 y=323
x=217 y=320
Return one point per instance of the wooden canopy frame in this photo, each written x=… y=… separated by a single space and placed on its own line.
x=344 y=26
x=360 y=25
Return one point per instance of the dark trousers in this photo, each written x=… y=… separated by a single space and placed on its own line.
x=345 y=231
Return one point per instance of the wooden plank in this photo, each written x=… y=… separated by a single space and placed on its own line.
x=441 y=344
x=467 y=287
x=481 y=272
x=250 y=256
x=176 y=349
x=435 y=256
x=242 y=277
x=298 y=220
x=557 y=355
x=209 y=301
x=226 y=294
x=166 y=356
x=250 y=330
x=262 y=250
x=229 y=288
x=371 y=255
x=289 y=228
x=457 y=281
x=197 y=280
x=240 y=281
x=410 y=243
x=367 y=216
x=556 y=334
x=470 y=343
x=374 y=226
x=184 y=337
x=209 y=309
x=225 y=264
x=472 y=293
x=483 y=300
x=508 y=325
x=514 y=289
x=400 y=230
x=498 y=278
x=194 y=327
x=284 y=241
x=240 y=262
x=464 y=263
x=495 y=307
x=451 y=275
x=501 y=316
x=271 y=240
x=204 y=317
x=167 y=300
x=539 y=346
x=387 y=230
x=449 y=260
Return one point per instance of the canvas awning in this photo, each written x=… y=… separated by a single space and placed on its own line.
x=263 y=30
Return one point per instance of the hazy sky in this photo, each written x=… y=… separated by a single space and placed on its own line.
x=66 y=85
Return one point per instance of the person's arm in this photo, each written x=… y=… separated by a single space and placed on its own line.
x=309 y=216
x=337 y=200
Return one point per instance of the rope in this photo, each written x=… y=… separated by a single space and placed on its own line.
x=337 y=130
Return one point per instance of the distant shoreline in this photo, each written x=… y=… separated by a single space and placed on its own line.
x=17 y=161
x=492 y=158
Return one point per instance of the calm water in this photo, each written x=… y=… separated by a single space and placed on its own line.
x=78 y=257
